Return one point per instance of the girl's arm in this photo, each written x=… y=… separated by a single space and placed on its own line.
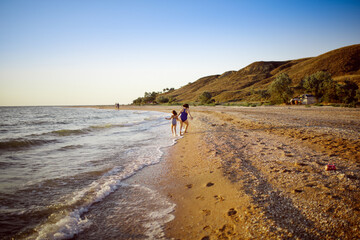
x=180 y=112
x=190 y=114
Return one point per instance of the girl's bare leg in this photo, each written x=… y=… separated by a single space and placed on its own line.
x=173 y=130
x=186 y=126
x=181 y=125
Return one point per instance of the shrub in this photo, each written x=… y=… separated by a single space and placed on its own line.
x=348 y=92
x=280 y=90
x=138 y=101
x=162 y=99
x=205 y=98
x=149 y=97
x=327 y=89
x=172 y=99
x=317 y=83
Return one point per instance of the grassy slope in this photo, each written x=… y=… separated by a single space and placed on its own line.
x=342 y=63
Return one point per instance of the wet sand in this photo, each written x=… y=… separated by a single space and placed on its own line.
x=259 y=173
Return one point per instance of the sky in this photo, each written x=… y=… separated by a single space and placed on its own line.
x=73 y=52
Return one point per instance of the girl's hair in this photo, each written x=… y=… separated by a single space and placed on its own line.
x=174 y=112
x=186 y=105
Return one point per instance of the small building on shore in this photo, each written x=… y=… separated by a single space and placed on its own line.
x=308 y=99
x=303 y=99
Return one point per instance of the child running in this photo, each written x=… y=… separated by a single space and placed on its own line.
x=174 y=118
x=184 y=117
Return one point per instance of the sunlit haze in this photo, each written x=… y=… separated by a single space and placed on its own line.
x=102 y=52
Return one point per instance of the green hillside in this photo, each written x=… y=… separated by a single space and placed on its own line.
x=247 y=84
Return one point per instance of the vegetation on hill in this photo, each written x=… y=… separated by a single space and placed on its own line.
x=331 y=77
x=155 y=97
x=280 y=90
x=325 y=89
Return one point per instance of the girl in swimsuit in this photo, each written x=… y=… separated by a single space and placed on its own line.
x=174 y=118
x=184 y=117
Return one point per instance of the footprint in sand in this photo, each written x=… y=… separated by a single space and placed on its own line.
x=219 y=198
x=200 y=197
x=231 y=212
x=189 y=185
x=206 y=212
x=206 y=228
x=226 y=232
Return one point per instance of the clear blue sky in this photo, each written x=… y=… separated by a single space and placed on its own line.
x=68 y=52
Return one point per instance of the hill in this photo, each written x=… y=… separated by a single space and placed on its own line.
x=342 y=64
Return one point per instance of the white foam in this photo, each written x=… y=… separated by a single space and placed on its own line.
x=67 y=223
x=65 y=228
x=157 y=219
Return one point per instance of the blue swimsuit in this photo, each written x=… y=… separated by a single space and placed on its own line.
x=183 y=115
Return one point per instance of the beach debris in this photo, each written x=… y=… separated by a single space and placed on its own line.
x=209 y=184
x=330 y=167
x=189 y=185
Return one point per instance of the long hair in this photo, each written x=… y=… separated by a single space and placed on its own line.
x=174 y=112
x=186 y=105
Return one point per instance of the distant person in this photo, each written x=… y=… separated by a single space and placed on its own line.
x=174 y=118
x=184 y=117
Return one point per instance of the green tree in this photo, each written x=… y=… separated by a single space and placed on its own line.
x=264 y=94
x=149 y=97
x=280 y=90
x=162 y=99
x=320 y=84
x=205 y=98
x=312 y=85
x=348 y=92
x=138 y=101
x=327 y=87
x=357 y=96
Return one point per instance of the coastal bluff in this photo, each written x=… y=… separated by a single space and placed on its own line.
x=343 y=64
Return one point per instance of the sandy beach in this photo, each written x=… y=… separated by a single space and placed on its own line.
x=259 y=173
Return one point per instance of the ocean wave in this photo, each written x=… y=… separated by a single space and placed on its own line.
x=63 y=228
x=7 y=164
x=67 y=222
x=104 y=126
x=23 y=143
x=70 y=147
x=93 y=128
x=68 y=132
x=38 y=122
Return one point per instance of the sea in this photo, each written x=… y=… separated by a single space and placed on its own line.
x=63 y=172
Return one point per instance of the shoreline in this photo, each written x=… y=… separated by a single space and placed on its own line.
x=245 y=173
